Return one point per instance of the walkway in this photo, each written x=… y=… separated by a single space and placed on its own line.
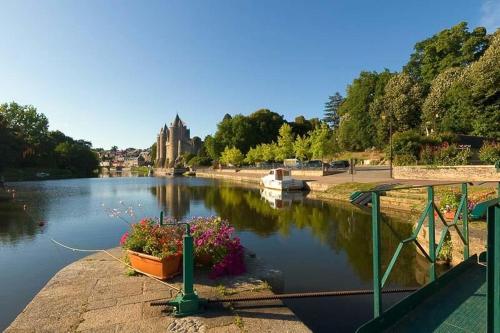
x=458 y=307
x=94 y=295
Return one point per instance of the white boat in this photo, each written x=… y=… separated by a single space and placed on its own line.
x=280 y=179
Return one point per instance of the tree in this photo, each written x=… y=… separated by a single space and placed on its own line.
x=77 y=157
x=402 y=102
x=212 y=147
x=434 y=109
x=269 y=151
x=153 y=152
x=301 y=148
x=285 y=143
x=357 y=128
x=321 y=142
x=254 y=155
x=454 y=47
x=331 y=115
x=232 y=156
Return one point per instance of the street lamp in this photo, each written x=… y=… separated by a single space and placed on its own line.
x=390 y=144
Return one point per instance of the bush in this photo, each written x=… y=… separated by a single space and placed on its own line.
x=200 y=161
x=490 y=152
x=406 y=143
x=405 y=159
x=452 y=155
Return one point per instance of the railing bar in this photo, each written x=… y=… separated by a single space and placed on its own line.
x=423 y=251
x=441 y=240
x=391 y=264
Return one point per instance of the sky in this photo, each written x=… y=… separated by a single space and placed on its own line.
x=113 y=72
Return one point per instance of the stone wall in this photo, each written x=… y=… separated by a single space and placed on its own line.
x=452 y=173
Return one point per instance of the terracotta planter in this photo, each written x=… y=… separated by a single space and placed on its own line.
x=160 y=268
x=449 y=215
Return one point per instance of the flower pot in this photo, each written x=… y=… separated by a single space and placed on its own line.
x=449 y=215
x=160 y=268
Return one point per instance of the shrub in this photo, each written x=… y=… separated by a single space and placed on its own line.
x=490 y=152
x=405 y=159
x=406 y=143
x=452 y=155
x=200 y=161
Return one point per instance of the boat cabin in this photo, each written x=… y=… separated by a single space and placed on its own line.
x=280 y=173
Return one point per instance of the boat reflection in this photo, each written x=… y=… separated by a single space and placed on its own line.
x=281 y=199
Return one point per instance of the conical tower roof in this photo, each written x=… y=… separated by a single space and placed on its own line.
x=177 y=121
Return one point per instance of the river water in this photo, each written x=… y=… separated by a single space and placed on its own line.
x=317 y=245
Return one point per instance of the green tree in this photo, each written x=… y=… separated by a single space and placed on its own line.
x=77 y=157
x=153 y=152
x=302 y=148
x=212 y=147
x=434 y=108
x=402 y=102
x=254 y=155
x=321 y=142
x=454 y=47
x=232 y=156
x=269 y=151
x=331 y=115
x=285 y=143
x=357 y=128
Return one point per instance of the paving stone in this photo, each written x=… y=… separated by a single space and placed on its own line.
x=112 y=315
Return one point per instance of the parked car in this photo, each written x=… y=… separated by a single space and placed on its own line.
x=341 y=164
x=314 y=164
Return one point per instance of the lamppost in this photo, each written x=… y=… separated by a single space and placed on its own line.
x=390 y=144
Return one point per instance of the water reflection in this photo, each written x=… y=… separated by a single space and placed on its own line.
x=280 y=199
x=342 y=227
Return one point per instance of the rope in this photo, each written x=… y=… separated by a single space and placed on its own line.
x=117 y=259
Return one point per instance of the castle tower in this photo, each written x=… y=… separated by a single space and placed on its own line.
x=172 y=141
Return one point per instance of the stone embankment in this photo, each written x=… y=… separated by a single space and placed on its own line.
x=94 y=295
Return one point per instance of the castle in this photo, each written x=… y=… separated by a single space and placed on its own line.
x=172 y=142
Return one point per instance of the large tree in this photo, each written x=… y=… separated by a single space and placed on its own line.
x=331 y=114
x=357 y=129
x=285 y=143
x=454 y=47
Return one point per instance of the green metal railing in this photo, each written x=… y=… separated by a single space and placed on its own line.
x=429 y=213
x=493 y=267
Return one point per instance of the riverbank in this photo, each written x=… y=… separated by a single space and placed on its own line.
x=94 y=294
x=29 y=174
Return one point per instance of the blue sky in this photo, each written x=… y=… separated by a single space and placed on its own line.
x=113 y=72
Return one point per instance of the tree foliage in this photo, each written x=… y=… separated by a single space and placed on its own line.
x=285 y=143
x=331 y=112
x=454 y=47
x=25 y=141
x=232 y=155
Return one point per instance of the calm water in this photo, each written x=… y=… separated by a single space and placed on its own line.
x=317 y=245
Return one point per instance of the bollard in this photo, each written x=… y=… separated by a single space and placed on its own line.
x=187 y=302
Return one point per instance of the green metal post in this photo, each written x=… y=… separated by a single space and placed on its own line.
x=465 y=220
x=493 y=269
x=377 y=293
x=432 y=233
x=187 y=301
x=161 y=217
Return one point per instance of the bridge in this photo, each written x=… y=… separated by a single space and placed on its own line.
x=464 y=299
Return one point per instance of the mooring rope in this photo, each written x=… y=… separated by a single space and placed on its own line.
x=118 y=259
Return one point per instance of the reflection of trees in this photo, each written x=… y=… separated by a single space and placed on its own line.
x=15 y=224
x=343 y=228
